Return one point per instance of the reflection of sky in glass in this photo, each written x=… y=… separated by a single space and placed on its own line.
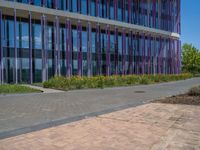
x=74 y=32
x=38 y=64
x=84 y=7
x=84 y=41
x=37 y=37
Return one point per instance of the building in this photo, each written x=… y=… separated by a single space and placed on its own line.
x=43 y=38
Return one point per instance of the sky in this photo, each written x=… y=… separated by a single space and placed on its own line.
x=190 y=22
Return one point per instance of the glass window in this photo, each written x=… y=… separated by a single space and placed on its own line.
x=84 y=7
x=50 y=3
x=74 y=5
x=93 y=13
x=37 y=2
x=37 y=41
x=111 y=10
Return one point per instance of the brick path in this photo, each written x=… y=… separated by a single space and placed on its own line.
x=30 y=112
x=151 y=126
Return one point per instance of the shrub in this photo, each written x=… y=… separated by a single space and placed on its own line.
x=77 y=82
x=195 y=91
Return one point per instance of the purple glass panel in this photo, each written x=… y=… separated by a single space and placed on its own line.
x=55 y=49
x=30 y=50
x=115 y=8
x=123 y=51
x=154 y=13
x=15 y=48
x=116 y=51
x=55 y=4
x=129 y=11
x=98 y=47
x=58 y=44
x=177 y=53
x=44 y=48
x=97 y=8
x=89 y=47
x=143 y=54
x=149 y=54
x=159 y=56
x=1 y=51
x=79 y=46
x=68 y=48
x=108 y=8
x=108 y=50
x=130 y=47
x=88 y=7
x=43 y=3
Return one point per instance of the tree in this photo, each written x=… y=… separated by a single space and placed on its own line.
x=190 y=59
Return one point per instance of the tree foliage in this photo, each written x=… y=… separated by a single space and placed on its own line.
x=190 y=59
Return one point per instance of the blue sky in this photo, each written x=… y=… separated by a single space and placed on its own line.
x=190 y=22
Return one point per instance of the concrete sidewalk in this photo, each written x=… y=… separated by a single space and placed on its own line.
x=44 y=90
x=25 y=113
x=152 y=126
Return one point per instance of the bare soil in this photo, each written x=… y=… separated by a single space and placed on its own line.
x=181 y=99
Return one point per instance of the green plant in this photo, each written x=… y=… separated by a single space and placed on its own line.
x=195 y=91
x=77 y=82
x=14 y=88
x=190 y=59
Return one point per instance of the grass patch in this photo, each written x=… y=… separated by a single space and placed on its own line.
x=14 y=89
x=76 y=82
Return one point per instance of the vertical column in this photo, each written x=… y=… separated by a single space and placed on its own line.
x=78 y=6
x=130 y=47
x=129 y=11
x=55 y=4
x=142 y=12
x=108 y=9
x=143 y=53
x=1 y=51
x=89 y=48
x=159 y=55
x=173 y=56
x=154 y=13
x=148 y=13
x=30 y=50
x=155 y=55
x=116 y=51
x=43 y=3
x=179 y=14
x=170 y=56
x=136 y=11
x=179 y=56
x=68 y=48
x=44 y=48
x=108 y=50
x=98 y=47
x=97 y=8
x=123 y=51
x=15 y=49
x=58 y=45
x=69 y=5
x=115 y=9
x=168 y=16
x=79 y=46
x=137 y=36
x=123 y=9
x=149 y=53
x=88 y=7
x=179 y=17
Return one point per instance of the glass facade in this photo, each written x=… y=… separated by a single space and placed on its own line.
x=34 y=50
